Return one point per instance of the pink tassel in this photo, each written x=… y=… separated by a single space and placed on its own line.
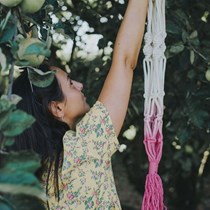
x=153 y=196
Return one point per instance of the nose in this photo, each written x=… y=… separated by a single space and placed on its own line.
x=78 y=85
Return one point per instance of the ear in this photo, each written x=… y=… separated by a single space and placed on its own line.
x=57 y=109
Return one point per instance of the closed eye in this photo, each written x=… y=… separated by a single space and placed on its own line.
x=69 y=79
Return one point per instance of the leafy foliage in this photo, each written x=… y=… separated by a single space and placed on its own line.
x=17 y=175
x=184 y=167
x=13 y=121
x=39 y=78
x=19 y=187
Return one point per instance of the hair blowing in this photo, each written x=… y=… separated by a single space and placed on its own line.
x=45 y=135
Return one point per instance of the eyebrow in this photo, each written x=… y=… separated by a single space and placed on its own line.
x=68 y=77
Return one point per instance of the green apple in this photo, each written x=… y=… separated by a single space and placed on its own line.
x=32 y=59
x=10 y=3
x=208 y=75
x=31 y=6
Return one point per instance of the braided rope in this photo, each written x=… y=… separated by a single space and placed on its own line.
x=154 y=65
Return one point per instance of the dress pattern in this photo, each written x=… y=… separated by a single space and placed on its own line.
x=86 y=179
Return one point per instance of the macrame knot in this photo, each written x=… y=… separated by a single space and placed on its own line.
x=147 y=118
x=150 y=139
x=153 y=167
x=148 y=50
x=159 y=117
x=159 y=45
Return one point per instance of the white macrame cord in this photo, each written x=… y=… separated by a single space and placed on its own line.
x=154 y=65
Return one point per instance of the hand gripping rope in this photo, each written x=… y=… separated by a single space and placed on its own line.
x=154 y=65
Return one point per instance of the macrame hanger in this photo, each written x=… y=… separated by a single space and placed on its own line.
x=154 y=65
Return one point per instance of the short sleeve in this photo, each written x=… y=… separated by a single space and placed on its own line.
x=94 y=138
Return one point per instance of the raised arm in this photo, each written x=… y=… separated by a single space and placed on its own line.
x=115 y=93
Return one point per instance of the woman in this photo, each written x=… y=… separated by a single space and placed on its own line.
x=76 y=142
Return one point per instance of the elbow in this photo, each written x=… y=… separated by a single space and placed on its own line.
x=130 y=63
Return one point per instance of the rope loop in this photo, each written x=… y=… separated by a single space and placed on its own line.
x=152 y=140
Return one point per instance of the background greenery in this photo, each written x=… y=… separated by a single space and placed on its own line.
x=72 y=25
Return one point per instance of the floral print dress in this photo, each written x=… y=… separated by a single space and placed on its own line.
x=86 y=178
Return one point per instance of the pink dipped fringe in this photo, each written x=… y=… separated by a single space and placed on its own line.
x=153 y=195
x=154 y=74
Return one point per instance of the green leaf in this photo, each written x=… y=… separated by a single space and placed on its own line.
x=37 y=49
x=195 y=42
x=6 y=108
x=5 y=104
x=16 y=123
x=14 y=99
x=3 y=61
x=22 y=63
x=5 y=20
x=49 y=42
x=192 y=56
x=193 y=35
x=17 y=174
x=9 y=30
x=9 y=141
x=172 y=28
x=177 y=48
x=40 y=78
x=20 y=161
x=17 y=178
x=5 y=205
x=181 y=16
x=14 y=48
x=185 y=35
x=183 y=134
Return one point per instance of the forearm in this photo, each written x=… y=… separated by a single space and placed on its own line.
x=129 y=37
x=115 y=93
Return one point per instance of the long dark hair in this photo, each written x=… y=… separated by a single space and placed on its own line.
x=45 y=135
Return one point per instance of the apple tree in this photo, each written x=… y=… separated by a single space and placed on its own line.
x=21 y=44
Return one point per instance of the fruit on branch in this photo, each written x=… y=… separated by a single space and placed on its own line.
x=10 y=3
x=28 y=52
x=31 y=6
x=208 y=75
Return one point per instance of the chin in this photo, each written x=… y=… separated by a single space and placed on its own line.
x=87 y=107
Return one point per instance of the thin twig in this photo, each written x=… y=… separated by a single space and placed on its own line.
x=201 y=55
x=11 y=75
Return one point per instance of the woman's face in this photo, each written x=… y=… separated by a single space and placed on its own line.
x=74 y=105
